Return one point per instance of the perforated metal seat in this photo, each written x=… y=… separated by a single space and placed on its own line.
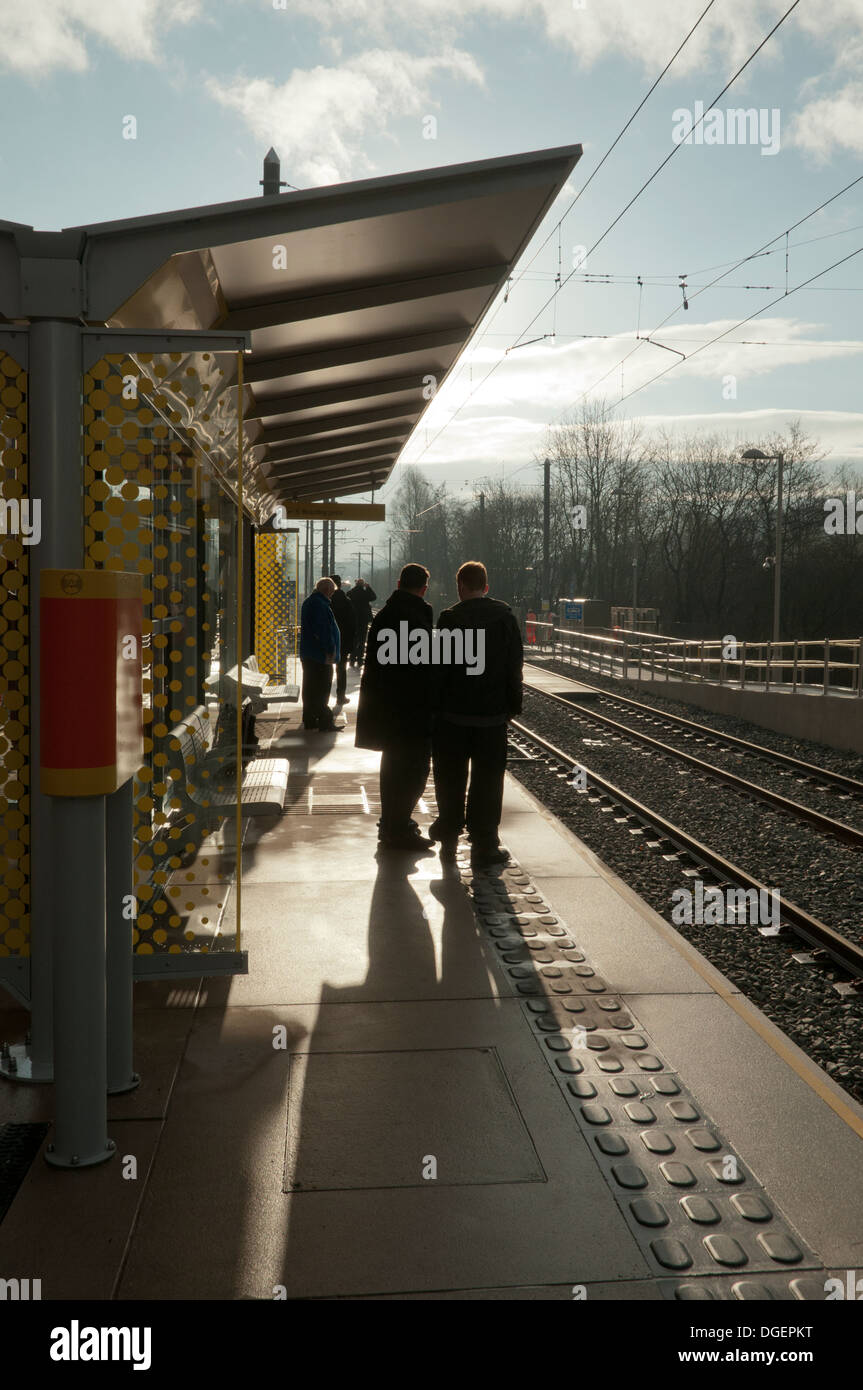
x=210 y=779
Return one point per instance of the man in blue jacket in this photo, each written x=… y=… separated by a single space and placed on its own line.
x=319 y=654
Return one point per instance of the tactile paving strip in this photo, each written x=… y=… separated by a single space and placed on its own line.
x=694 y=1207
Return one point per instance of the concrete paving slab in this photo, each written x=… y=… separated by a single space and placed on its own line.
x=70 y=1228
x=541 y=678
x=387 y=937
x=605 y=916
x=403 y=1119
x=548 y=854
x=563 y=1230
x=616 y=939
x=160 y=1037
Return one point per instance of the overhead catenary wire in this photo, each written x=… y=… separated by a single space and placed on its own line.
x=658 y=170
x=735 y=266
x=794 y=289
x=557 y=227
x=622 y=213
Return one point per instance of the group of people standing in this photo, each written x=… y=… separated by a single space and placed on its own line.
x=333 y=628
x=447 y=715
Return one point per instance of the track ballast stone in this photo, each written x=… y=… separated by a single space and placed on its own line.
x=800 y=1000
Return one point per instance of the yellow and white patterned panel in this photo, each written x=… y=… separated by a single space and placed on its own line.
x=153 y=505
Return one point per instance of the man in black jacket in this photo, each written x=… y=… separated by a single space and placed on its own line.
x=472 y=707
x=394 y=712
x=362 y=596
x=343 y=610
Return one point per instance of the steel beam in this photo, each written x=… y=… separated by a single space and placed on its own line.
x=323 y=448
x=347 y=355
x=383 y=453
x=352 y=299
x=332 y=425
x=334 y=395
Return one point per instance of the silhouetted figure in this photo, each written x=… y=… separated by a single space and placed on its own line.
x=471 y=714
x=319 y=653
x=362 y=597
x=347 y=625
x=394 y=712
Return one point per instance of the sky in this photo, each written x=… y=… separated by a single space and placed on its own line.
x=343 y=89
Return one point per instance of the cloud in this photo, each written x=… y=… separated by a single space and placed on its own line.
x=829 y=123
x=320 y=118
x=507 y=417
x=597 y=29
x=43 y=35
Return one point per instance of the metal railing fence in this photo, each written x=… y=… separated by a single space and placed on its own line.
x=830 y=666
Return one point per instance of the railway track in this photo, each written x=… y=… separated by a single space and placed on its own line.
x=827 y=825
x=849 y=787
x=676 y=843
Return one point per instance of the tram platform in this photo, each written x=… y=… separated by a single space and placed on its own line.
x=518 y=1086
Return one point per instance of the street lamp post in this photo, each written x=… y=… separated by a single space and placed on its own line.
x=635 y=594
x=777 y=559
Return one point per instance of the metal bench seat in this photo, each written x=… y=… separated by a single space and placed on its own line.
x=255 y=685
x=211 y=782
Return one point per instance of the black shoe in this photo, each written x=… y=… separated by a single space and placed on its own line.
x=310 y=727
x=448 y=851
x=332 y=728
x=435 y=833
x=488 y=858
x=343 y=700
x=407 y=840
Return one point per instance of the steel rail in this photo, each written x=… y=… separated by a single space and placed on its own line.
x=845 y=953
x=850 y=834
x=836 y=779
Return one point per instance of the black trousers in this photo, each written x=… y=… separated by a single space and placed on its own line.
x=404 y=773
x=457 y=748
x=317 y=684
x=341 y=679
x=359 y=650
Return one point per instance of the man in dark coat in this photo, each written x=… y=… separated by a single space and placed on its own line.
x=343 y=610
x=362 y=596
x=319 y=652
x=394 y=711
x=472 y=707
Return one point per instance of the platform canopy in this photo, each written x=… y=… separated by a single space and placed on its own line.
x=359 y=298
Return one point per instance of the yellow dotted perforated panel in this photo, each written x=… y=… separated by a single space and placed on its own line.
x=153 y=505
x=19 y=527
x=275 y=600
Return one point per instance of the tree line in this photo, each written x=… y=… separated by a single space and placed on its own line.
x=698 y=520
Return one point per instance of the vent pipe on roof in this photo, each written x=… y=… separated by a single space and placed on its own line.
x=271 y=183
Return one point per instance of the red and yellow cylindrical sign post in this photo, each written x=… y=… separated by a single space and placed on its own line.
x=90 y=698
x=91 y=745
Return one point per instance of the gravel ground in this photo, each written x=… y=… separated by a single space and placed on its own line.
x=829 y=801
x=851 y=764
x=825 y=878
x=815 y=872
